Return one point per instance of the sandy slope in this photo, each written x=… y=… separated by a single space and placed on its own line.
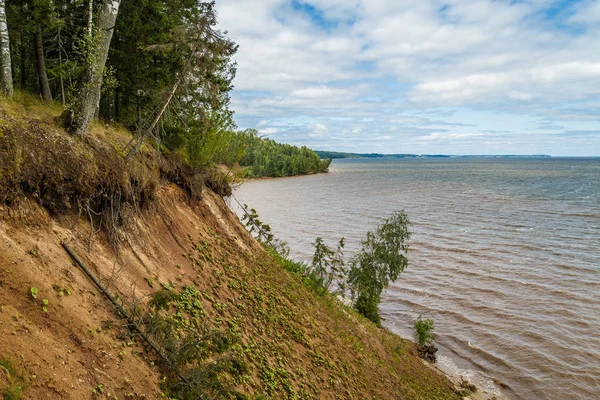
x=294 y=344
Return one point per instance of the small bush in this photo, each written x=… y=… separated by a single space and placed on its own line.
x=368 y=307
x=423 y=333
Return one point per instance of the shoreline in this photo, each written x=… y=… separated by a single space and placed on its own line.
x=456 y=378
x=264 y=178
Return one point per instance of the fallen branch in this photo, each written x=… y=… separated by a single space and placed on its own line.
x=120 y=309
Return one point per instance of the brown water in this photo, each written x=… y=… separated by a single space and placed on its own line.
x=505 y=257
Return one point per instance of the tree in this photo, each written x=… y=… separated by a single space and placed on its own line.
x=80 y=114
x=6 y=83
x=327 y=265
x=381 y=259
x=40 y=15
x=203 y=79
x=40 y=63
x=265 y=157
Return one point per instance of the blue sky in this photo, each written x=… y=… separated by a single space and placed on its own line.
x=419 y=76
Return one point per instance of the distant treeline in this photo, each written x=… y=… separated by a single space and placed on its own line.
x=267 y=158
x=337 y=154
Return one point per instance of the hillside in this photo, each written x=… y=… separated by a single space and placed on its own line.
x=149 y=226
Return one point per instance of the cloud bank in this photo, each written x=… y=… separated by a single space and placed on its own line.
x=427 y=76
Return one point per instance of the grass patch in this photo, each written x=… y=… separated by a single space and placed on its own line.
x=12 y=383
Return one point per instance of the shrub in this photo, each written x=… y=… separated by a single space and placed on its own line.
x=423 y=333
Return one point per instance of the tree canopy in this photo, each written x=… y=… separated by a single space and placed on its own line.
x=265 y=157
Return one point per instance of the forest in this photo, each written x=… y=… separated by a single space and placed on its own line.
x=265 y=157
x=162 y=69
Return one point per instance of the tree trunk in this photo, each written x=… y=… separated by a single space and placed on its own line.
x=90 y=16
x=117 y=105
x=88 y=100
x=6 y=83
x=62 y=80
x=23 y=62
x=40 y=64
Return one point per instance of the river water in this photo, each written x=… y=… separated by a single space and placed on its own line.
x=505 y=257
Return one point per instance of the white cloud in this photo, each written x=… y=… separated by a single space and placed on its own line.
x=318 y=92
x=319 y=129
x=392 y=61
x=268 y=131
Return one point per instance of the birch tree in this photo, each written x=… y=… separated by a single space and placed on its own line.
x=82 y=111
x=6 y=83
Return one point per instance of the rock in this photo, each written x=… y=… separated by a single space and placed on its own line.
x=428 y=352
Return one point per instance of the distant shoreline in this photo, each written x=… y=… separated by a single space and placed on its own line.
x=338 y=155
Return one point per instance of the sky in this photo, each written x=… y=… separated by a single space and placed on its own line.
x=419 y=76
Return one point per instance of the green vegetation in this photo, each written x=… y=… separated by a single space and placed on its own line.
x=424 y=336
x=265 y=157
x=423 y=331
x=381 y=259
x=199 y=360
x=338 y=154
x=255 y=226
x=246 y=325
x=12 y=384
x=327 y=265
x=45 y=303
x=274 y=309
x=62 y=291
x=166 y=75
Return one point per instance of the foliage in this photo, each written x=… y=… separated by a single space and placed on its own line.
x=423 y=331
x=197 y=356
x=381 y=259
x=337 y=154
x=327 y=265
x=282 y=258
x=157 y=45
x=256 y=227
x=172 y=62
x=265 y=157
x=45 y=305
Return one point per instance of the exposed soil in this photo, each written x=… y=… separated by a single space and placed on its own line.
x=295 y=344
